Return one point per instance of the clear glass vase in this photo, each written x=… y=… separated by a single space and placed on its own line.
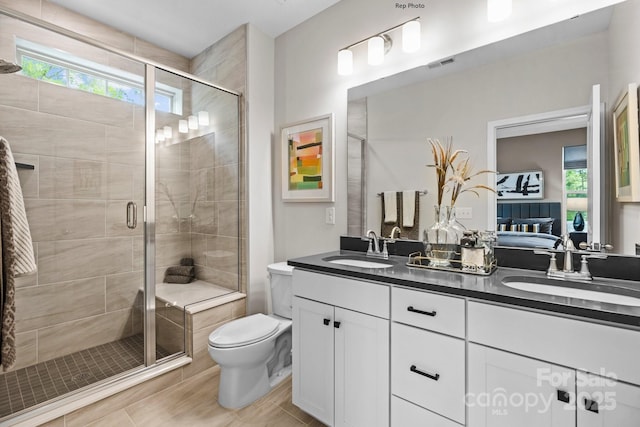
x=441 y=238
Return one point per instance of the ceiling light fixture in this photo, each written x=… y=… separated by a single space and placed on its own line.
x=379 y=44
x=498 y=10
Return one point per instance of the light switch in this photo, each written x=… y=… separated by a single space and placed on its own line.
x=330 y=215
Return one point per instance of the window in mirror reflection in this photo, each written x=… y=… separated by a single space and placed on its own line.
x=575 y=188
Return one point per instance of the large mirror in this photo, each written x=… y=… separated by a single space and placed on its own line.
x=521 y=105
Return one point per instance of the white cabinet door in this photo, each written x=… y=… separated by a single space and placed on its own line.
x=605 y=402
x=313 y=351
x=507 y=390
x=361 y=370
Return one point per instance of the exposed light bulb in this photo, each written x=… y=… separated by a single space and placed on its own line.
x=345 y=62
x=193 y=122
x=498 y=10
x=159 y=135
x=203 y=118
x=411 y=36
x=183 y=127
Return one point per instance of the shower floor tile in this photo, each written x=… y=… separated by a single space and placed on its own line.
x=30 y=386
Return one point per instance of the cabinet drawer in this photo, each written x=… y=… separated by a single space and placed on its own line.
x=428 y=369
x=429 y=311
x=592 y=347
x=365 y=297
x=405 y=414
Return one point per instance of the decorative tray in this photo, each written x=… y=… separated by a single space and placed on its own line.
x=417 y=260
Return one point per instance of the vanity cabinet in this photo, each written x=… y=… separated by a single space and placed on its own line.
x=427 y=359
x=511 y=382
x=341 y=350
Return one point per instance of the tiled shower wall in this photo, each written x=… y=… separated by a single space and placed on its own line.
x=88 y=156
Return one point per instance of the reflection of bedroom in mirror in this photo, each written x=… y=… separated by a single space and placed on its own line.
x=547 y=70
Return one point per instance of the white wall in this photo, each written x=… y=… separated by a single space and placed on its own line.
x=459 y=106
x=307 y=84
x=259 y=114
x=623 y=51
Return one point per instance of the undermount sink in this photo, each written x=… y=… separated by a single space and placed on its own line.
x=359 y=261
x=581 y=290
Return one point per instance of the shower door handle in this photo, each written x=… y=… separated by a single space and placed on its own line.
x=132 y=215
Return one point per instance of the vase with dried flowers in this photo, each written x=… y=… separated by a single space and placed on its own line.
x=453 y=173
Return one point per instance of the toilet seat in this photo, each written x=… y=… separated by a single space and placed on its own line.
x=244 y=331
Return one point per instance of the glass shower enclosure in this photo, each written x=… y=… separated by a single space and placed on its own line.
x=130 y=176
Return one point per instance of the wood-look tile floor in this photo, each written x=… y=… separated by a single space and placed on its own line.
x=194 y=403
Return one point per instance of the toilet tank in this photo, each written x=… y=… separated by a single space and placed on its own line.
x=281 y=281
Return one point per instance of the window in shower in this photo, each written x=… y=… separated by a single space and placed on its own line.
x=55 y=66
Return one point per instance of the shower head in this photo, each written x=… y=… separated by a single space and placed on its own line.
x=8 y=67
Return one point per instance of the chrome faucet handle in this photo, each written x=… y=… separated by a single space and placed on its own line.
x=385 y=251
x=584 y=265
x=553 y=266
x=567 y=243
x=593 y=246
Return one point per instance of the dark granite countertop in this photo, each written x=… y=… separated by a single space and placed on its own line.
x=485 y=288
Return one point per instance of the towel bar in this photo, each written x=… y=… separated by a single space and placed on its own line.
x=422 y=193
x=24 y=166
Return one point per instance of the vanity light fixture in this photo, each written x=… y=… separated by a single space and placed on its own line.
x=193 y=122
x=168 y=132
x=498 y=10
x=159 y=136
x=183 y=127
x=379 y=44
x=203 y=118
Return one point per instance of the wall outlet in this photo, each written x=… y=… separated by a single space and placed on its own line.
x=330 y=216
x=464 y=213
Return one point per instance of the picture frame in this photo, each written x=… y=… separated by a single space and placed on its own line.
x=520 y=185
x=308 y=160
x=627 y=145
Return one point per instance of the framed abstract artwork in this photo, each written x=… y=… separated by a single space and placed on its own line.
x=520 y=185
x=308 y=160
x=627 y=146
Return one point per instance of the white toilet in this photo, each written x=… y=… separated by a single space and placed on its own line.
x=254 y=352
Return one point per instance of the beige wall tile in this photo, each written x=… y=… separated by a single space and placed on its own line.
x=169 y=335
x=29 y=279
x=226 y=182
x=217 y=277
x=75 y=259
x=222 y=253
x=125 y=146
x=65 y=219
x=170 y=248
x=123 y=290
x=19 y=91
x=173 y=314
x=227 y=151
x=208 y=318
x=205 y=218
x=120 y=182
x=44 y=306
x=66 y=102
x=172 y=184
x=26 y=350
x=86 y=26
x=71 y=179
x=111 y=404
x=32 y=132
x=203 y=152
x=163 y=56
x=81 y=334
x=228 y=218
x=58 y=422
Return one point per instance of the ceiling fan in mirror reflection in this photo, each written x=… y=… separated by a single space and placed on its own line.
x=520 y=185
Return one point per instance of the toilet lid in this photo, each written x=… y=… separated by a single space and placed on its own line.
x=247 y=330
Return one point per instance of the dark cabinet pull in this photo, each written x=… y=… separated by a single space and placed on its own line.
x=326 y=322
x=426 y=313
x=564 y=396
x=435 y=377
x=336 y=324
x=590 y=405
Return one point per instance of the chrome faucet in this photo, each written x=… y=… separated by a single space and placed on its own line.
x=567 y=271
x=374 y=246
x=394 y=230
x=568 y=247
